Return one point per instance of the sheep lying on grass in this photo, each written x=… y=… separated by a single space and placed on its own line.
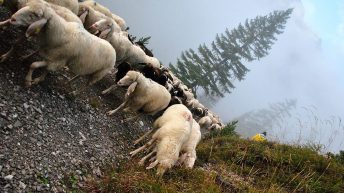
x=126 y=51
x=188 y=151
x=143 y=95
x=64 y=43
x=174 y=129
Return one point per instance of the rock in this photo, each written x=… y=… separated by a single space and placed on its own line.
x=26 y=106
x=97 y=172
x=8 y=177
x=17 y=124
x=22 y=185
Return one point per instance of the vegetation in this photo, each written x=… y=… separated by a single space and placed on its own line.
x=213 y=69
x=227 y=163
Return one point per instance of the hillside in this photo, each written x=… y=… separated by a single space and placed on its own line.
x=47 y=134
x=227 y=163
x=53 y=142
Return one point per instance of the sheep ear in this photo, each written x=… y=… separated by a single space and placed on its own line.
x=105 y=33
x=83 y=16
x=35 y=27
x=131 y=89
x=39 y=13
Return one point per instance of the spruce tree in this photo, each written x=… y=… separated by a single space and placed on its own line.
x=214 y=68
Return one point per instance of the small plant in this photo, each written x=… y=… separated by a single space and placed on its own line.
x=43 y=179
x=228 y=130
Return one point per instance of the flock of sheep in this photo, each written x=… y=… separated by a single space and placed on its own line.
x=90 y=40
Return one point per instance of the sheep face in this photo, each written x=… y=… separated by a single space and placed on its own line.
x=28 y=15
x=163 y=166
x=128 y=79
x=104 y=26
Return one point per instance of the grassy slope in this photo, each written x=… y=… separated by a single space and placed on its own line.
x=227 y=163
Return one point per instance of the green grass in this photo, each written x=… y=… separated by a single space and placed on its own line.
x=227 y=163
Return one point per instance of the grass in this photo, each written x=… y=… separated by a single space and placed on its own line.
x=227 y=163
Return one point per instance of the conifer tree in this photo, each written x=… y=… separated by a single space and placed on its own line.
x=214 y=68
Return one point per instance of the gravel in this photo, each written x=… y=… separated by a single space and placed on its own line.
x=47 y=135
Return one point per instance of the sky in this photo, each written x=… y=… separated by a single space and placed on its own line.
x=305 y=63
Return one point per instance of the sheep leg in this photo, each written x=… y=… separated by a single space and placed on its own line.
x=148 y=144
x=4 y=23
x=142 y=161
x=152 y=165
x=143 y=136
x=29 y=55
x=7 y=55
x=33 y=66
x=181 y=159
x=152 y=159
x=109 y=113
x=40 y=78
x=72 y=79
x=109 y=89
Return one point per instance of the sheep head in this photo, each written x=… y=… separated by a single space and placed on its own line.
x=189 y=162
x=32 y=15
x=129 y=78
x=105 y=27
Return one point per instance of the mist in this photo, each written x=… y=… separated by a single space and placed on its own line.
x=304 y=64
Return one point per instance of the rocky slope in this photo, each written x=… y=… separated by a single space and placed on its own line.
x=46 y=134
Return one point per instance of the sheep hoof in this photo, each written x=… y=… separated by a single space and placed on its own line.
x=3 y=58
x=109 y=113
x=35 y=81
x=104 y=92
x=28 y=84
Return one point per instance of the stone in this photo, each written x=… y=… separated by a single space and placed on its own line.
x=8 y=177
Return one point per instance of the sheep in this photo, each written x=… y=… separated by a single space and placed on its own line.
x=188 y=150
x=173 y=130
x=15 y=5
x=126 y=51
x=98 y=7
x=199 y=112
x=64 y=43
x=143 y=94
x=64 y=12
x=205 y=122
x=89 y=16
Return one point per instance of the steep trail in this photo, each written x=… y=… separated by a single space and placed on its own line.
x=45 y=133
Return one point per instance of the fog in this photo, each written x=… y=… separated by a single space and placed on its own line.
x=304 y=64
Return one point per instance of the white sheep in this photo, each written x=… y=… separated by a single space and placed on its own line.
x=188 y=152
x=89 y=16
x=174 y=129
x=58 y=6
x=205 y=122
x=15 y=5
x=143 y=94
x=126 y=50
x=98 y=7
x=64 y=43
